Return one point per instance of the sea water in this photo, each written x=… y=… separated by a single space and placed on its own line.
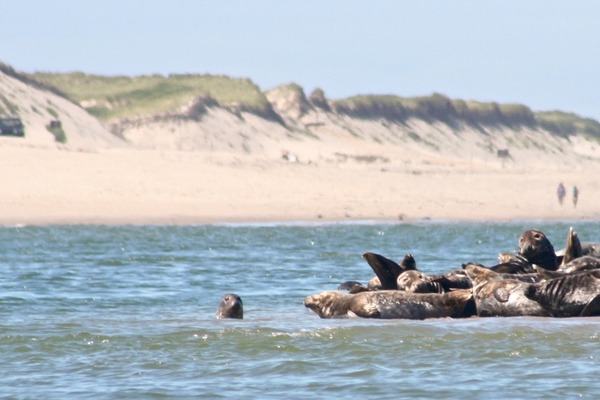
x=129 y=312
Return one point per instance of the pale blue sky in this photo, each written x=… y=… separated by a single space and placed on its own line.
x=545 y=54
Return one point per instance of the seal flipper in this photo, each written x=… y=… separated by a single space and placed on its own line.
x=573 y=247
x=386 y=270
x=592 y=308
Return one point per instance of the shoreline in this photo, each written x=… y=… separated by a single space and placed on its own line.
x=281 y=222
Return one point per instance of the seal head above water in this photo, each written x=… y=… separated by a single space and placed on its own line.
x=231 y=306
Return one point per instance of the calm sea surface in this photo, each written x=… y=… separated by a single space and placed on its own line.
x=128 y=312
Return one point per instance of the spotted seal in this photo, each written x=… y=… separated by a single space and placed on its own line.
x=572 y=295
x=389 y=304
x=230 y=306
x=418 y=282
x=498 y=297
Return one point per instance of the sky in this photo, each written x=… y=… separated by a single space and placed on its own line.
x=541 y=53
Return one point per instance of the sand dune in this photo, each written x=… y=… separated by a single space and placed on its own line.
x=227 y=168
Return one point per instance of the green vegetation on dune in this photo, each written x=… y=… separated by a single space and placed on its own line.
x=116 y=97
x=454 y=112
x=437 y=107
x=567 y=124
x=373 y=106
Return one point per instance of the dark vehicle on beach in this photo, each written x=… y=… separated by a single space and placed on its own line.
x=11 y=126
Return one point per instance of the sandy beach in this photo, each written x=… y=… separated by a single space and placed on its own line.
x=125 y=186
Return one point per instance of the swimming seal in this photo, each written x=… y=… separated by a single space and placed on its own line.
x=230 y=306
x=498 y=297
x=389 y=304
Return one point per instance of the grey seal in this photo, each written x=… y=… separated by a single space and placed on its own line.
x=230 y=306
x=386 y=271
x=389 y=304
x=498 y=297
x=536 y=248
x=573 y=295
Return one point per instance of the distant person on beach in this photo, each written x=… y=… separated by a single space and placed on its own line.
x=561 y=192
x=575 y=196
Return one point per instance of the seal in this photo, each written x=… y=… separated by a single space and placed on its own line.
x=418 y=282
x=387 y=271
x=577 y=256
x=231 y=306
x=515 y=264
x=574 y=295
x=590 y=249
x=576 y=248
x=535 y=247
x=583 y=263
x=498 y=297
x=390 y=304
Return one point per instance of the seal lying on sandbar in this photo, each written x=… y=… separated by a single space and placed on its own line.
x=574 y=295
x=418 y=282
x=534 y=248
x=386 y=271
x=498 y=297
x=575 y=249
x=388 y=304
x=231 y=306
x=577 y=257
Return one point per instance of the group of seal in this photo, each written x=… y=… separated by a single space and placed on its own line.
x=536 y=281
